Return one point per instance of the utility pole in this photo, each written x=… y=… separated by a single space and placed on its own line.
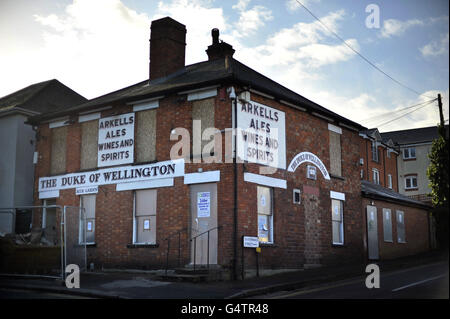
x=441 y=114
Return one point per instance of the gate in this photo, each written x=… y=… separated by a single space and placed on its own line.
x=42 y=240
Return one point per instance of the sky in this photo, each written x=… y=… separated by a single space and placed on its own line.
x=99 y=46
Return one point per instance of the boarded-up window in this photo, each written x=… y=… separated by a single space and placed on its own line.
x=87 y=226
x=203 y=111
x=387 y=225
x=146 y=136
x=89 y=144
x=145 y=217
x=58 y=152
x=335 y=153
x=401 y=227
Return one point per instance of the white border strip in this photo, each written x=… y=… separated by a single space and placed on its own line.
x=89 y=117
x=337 y=195
x=146 y=106
x=205 y=177
x=334 y=128
x=164 y=182
x=49 y=194
x=264 y=180
x=202 y=95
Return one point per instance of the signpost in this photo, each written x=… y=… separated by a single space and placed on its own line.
x=250 y=242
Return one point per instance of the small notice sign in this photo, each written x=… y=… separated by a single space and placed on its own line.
x=203 y=204
x=251 y=242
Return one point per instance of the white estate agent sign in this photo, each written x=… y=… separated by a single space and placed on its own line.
x=203 y=204
x=116 y=140
x=261 y=134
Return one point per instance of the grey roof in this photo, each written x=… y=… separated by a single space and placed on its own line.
x=218 y=71
x=370 y=189
x=412 y=136
x=42 y=98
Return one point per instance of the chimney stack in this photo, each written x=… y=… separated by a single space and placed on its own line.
x=167 y=47
x=218 y=49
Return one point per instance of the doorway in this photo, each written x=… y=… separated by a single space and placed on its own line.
x=204 y=218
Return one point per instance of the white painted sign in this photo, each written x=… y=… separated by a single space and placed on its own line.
x=251 y=242
x=86 y=190
x=203 y=204
x=114 y=175
x=304 y=157
x=116 y=140
x=261 y=134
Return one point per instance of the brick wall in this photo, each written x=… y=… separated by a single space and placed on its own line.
x=416 y=230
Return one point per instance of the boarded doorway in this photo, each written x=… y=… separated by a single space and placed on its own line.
x=372 y=233
x=203 y=218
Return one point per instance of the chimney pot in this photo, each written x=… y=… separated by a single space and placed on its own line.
x=218 y=49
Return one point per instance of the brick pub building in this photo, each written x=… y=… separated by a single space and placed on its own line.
x=295 y=184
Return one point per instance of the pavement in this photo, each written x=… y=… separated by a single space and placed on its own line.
x=144 y=285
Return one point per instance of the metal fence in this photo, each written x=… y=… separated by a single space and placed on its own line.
x=42 y=240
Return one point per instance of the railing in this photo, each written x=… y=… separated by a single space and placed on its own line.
x=178 y=233
x=195 y=244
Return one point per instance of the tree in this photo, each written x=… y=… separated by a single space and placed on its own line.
x=438 y=172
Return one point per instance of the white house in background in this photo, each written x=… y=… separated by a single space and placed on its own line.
x=17 y=144
x=415 y=145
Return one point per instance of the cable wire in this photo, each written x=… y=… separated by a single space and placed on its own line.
x=385 y=123
x=363 y=57
x=391 y=113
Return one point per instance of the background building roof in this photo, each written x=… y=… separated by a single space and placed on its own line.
x=412 y=136
x=41 y=98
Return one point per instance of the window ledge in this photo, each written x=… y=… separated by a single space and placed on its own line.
x=337 y=177
x=337 y=245
x=267 y=245
x=411 y=189
x=142 y=245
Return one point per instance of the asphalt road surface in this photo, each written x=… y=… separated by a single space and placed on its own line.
x=6 y=293
x=423 y=282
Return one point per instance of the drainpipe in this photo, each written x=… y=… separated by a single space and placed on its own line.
x=235 y=212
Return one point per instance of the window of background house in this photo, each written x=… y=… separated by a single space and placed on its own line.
x=374 y=151
x=387 y=225
x=337 y=218
x=89 y=144
x=390 y=181
x=375 y=176
x=411 y=182
x=335 y=152
x=144 y=219
x=401 y=227
x=87 y=230
x=409 y=153
x=58 y=151
x=265 y=214
x=296 y=196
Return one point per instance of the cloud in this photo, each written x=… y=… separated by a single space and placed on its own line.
x=436 y=48
x=393 y=27
x=199 y=17
x=250 y=20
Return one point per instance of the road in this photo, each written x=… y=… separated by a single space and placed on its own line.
x=423 y=282
x=6 y=293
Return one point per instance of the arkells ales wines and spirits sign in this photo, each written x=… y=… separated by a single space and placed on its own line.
x=261 y=136
x=116 y=140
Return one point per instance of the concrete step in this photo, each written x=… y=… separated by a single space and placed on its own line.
x=186 y=277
